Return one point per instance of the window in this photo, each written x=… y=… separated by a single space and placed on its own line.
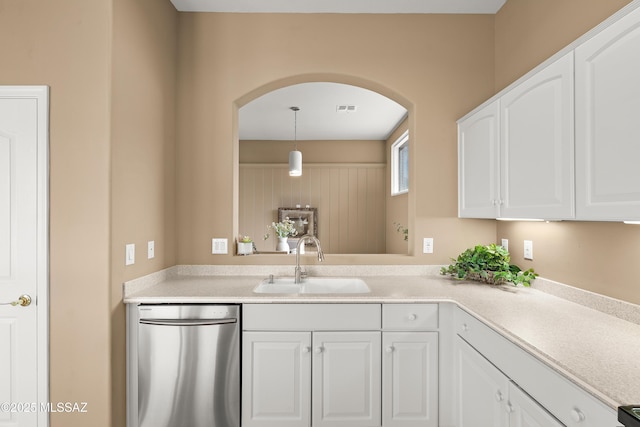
x=400 y=165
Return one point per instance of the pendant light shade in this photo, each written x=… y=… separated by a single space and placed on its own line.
x=295 y=163
x=295 y=156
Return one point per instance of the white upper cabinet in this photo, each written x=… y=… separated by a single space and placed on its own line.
x=516 y=155
x=478 y=167
x=608 y=123
x=536 y=145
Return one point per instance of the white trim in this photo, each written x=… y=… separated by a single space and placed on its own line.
x=41 y=96
x=395 y=181
x=42 y=309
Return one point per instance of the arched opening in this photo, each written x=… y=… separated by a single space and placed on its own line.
x=347 y=177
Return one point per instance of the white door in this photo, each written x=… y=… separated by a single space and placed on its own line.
x=410 y=379
x=276 y=379
x=478 y=164
x=482 y=390
x=346 y=379
x=526 y=412
x=23 y=256
x=536 y=148
x=607 y=125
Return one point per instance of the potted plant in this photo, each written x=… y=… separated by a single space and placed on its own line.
x=245 y=245
x=489 y=264
x=283 y=230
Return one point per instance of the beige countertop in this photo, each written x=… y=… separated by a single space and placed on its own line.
x=597 y=351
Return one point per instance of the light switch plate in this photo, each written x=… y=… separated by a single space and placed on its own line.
x=151 y=249
x=528 y=250
x=505 y=244
x=130 y=254
x=427 y=245
x=219 y=246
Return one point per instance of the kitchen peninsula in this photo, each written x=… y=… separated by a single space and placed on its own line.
x=581 y=345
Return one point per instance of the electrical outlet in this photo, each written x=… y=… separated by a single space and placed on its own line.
x=528 y=250
x=130 y=254
x=505 y=244
x=219 y=246
x=427 y=245
x=151 y=249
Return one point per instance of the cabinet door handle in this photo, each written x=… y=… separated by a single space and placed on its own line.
x=508 y=408
x=577 y=415
x=390 y=349
x=319 y=349
x=499 y=396
x=306 y=349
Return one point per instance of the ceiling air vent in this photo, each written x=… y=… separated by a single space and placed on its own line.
x=346 y=108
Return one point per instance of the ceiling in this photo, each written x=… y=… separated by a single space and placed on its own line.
x=340 y=6
x=328 y=111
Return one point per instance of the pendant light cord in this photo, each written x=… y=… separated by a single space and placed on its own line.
x=295 y=127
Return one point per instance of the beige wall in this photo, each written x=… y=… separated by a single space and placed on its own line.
x=65 y=44
x=111 y=69
x=333 y=151
x=600 y=257
x=233 y=58
x=143 y=97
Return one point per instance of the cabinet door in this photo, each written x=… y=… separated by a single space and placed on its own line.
x=526 y=412
x=478 y=168
x=276 y=379
x=607 y=125
x=481 y=389
x=346 y=379
x=537 y=145
x=410 y=379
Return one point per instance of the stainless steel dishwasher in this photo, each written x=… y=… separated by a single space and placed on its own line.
x=188 y=366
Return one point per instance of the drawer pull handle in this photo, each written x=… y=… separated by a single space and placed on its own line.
x=577 y=415
x=390 y=349
x=465 y=327
x=499 y=396
x=412 y=317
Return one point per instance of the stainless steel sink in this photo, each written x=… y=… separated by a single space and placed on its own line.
x=313 y=285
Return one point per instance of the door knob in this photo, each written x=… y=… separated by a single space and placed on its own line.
x=23 y=301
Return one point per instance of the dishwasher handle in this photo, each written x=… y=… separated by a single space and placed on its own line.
x=188 y=322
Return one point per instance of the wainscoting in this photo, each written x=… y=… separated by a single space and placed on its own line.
x=350 y=199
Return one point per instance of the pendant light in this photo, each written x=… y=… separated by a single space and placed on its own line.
x=295 y=156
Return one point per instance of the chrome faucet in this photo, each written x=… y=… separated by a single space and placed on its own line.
x=299 y=274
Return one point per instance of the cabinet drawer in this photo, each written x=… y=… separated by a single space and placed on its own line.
x=311 y=317
x=572 y=405
x=410 y=317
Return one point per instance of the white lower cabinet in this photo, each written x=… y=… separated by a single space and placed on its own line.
x=479 y=348
x=276 y=379
x=525 y=412
x=340 y=365
x=410 y=379
x=346 y=379
x=480 y=389
x=486 y=397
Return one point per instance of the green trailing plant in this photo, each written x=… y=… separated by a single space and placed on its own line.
x=490 y=264
x=402 y=230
